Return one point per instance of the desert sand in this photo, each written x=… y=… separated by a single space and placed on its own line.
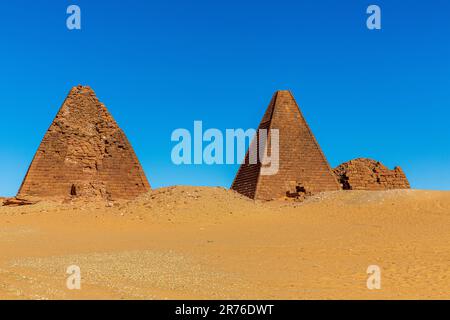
x=211 y=243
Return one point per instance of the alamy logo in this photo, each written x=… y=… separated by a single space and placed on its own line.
x=73 y=22
x=374 y=20
x=190 y=149
x=74 y=280
x=374 y=280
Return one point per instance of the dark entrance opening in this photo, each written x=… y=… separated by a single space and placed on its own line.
x=73 y=190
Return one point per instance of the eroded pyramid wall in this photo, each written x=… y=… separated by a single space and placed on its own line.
x=368 y=174
x=84 y=154
x=302 y=163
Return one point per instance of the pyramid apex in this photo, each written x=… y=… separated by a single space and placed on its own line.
x=283 y=91
x=80 y=89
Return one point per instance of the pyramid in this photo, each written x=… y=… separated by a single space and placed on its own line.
x=369 y=174
x=302 y=167
x=84 y=154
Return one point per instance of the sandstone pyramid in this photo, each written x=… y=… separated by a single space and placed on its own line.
x=84 y=154
x=303 y=168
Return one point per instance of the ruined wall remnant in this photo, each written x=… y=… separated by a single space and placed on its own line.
x=84 y=154
x=367 y=174
x=303 y=168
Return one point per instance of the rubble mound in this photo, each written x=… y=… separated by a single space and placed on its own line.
x=368 y=174
x=16 y=202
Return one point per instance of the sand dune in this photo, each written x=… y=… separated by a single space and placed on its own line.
x=211 y=243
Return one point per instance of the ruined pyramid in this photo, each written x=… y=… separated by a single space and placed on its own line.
x=84 y=154
x=303 y=168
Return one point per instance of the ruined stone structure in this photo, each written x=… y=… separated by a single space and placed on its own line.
x=303 y=168
x=367 y=174
x=84 y=154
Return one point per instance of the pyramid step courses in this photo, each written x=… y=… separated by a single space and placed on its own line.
x=303 y=168
x=84 y=154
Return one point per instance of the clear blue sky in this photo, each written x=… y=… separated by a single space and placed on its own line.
x=160 y=65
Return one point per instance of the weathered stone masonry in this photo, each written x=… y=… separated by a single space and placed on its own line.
x=84 y=154
x=367 y=174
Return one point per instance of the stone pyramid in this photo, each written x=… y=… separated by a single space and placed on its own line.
x=303 y=168
x=84 y=154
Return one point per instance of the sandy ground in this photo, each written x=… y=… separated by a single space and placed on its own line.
x=210 y=243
